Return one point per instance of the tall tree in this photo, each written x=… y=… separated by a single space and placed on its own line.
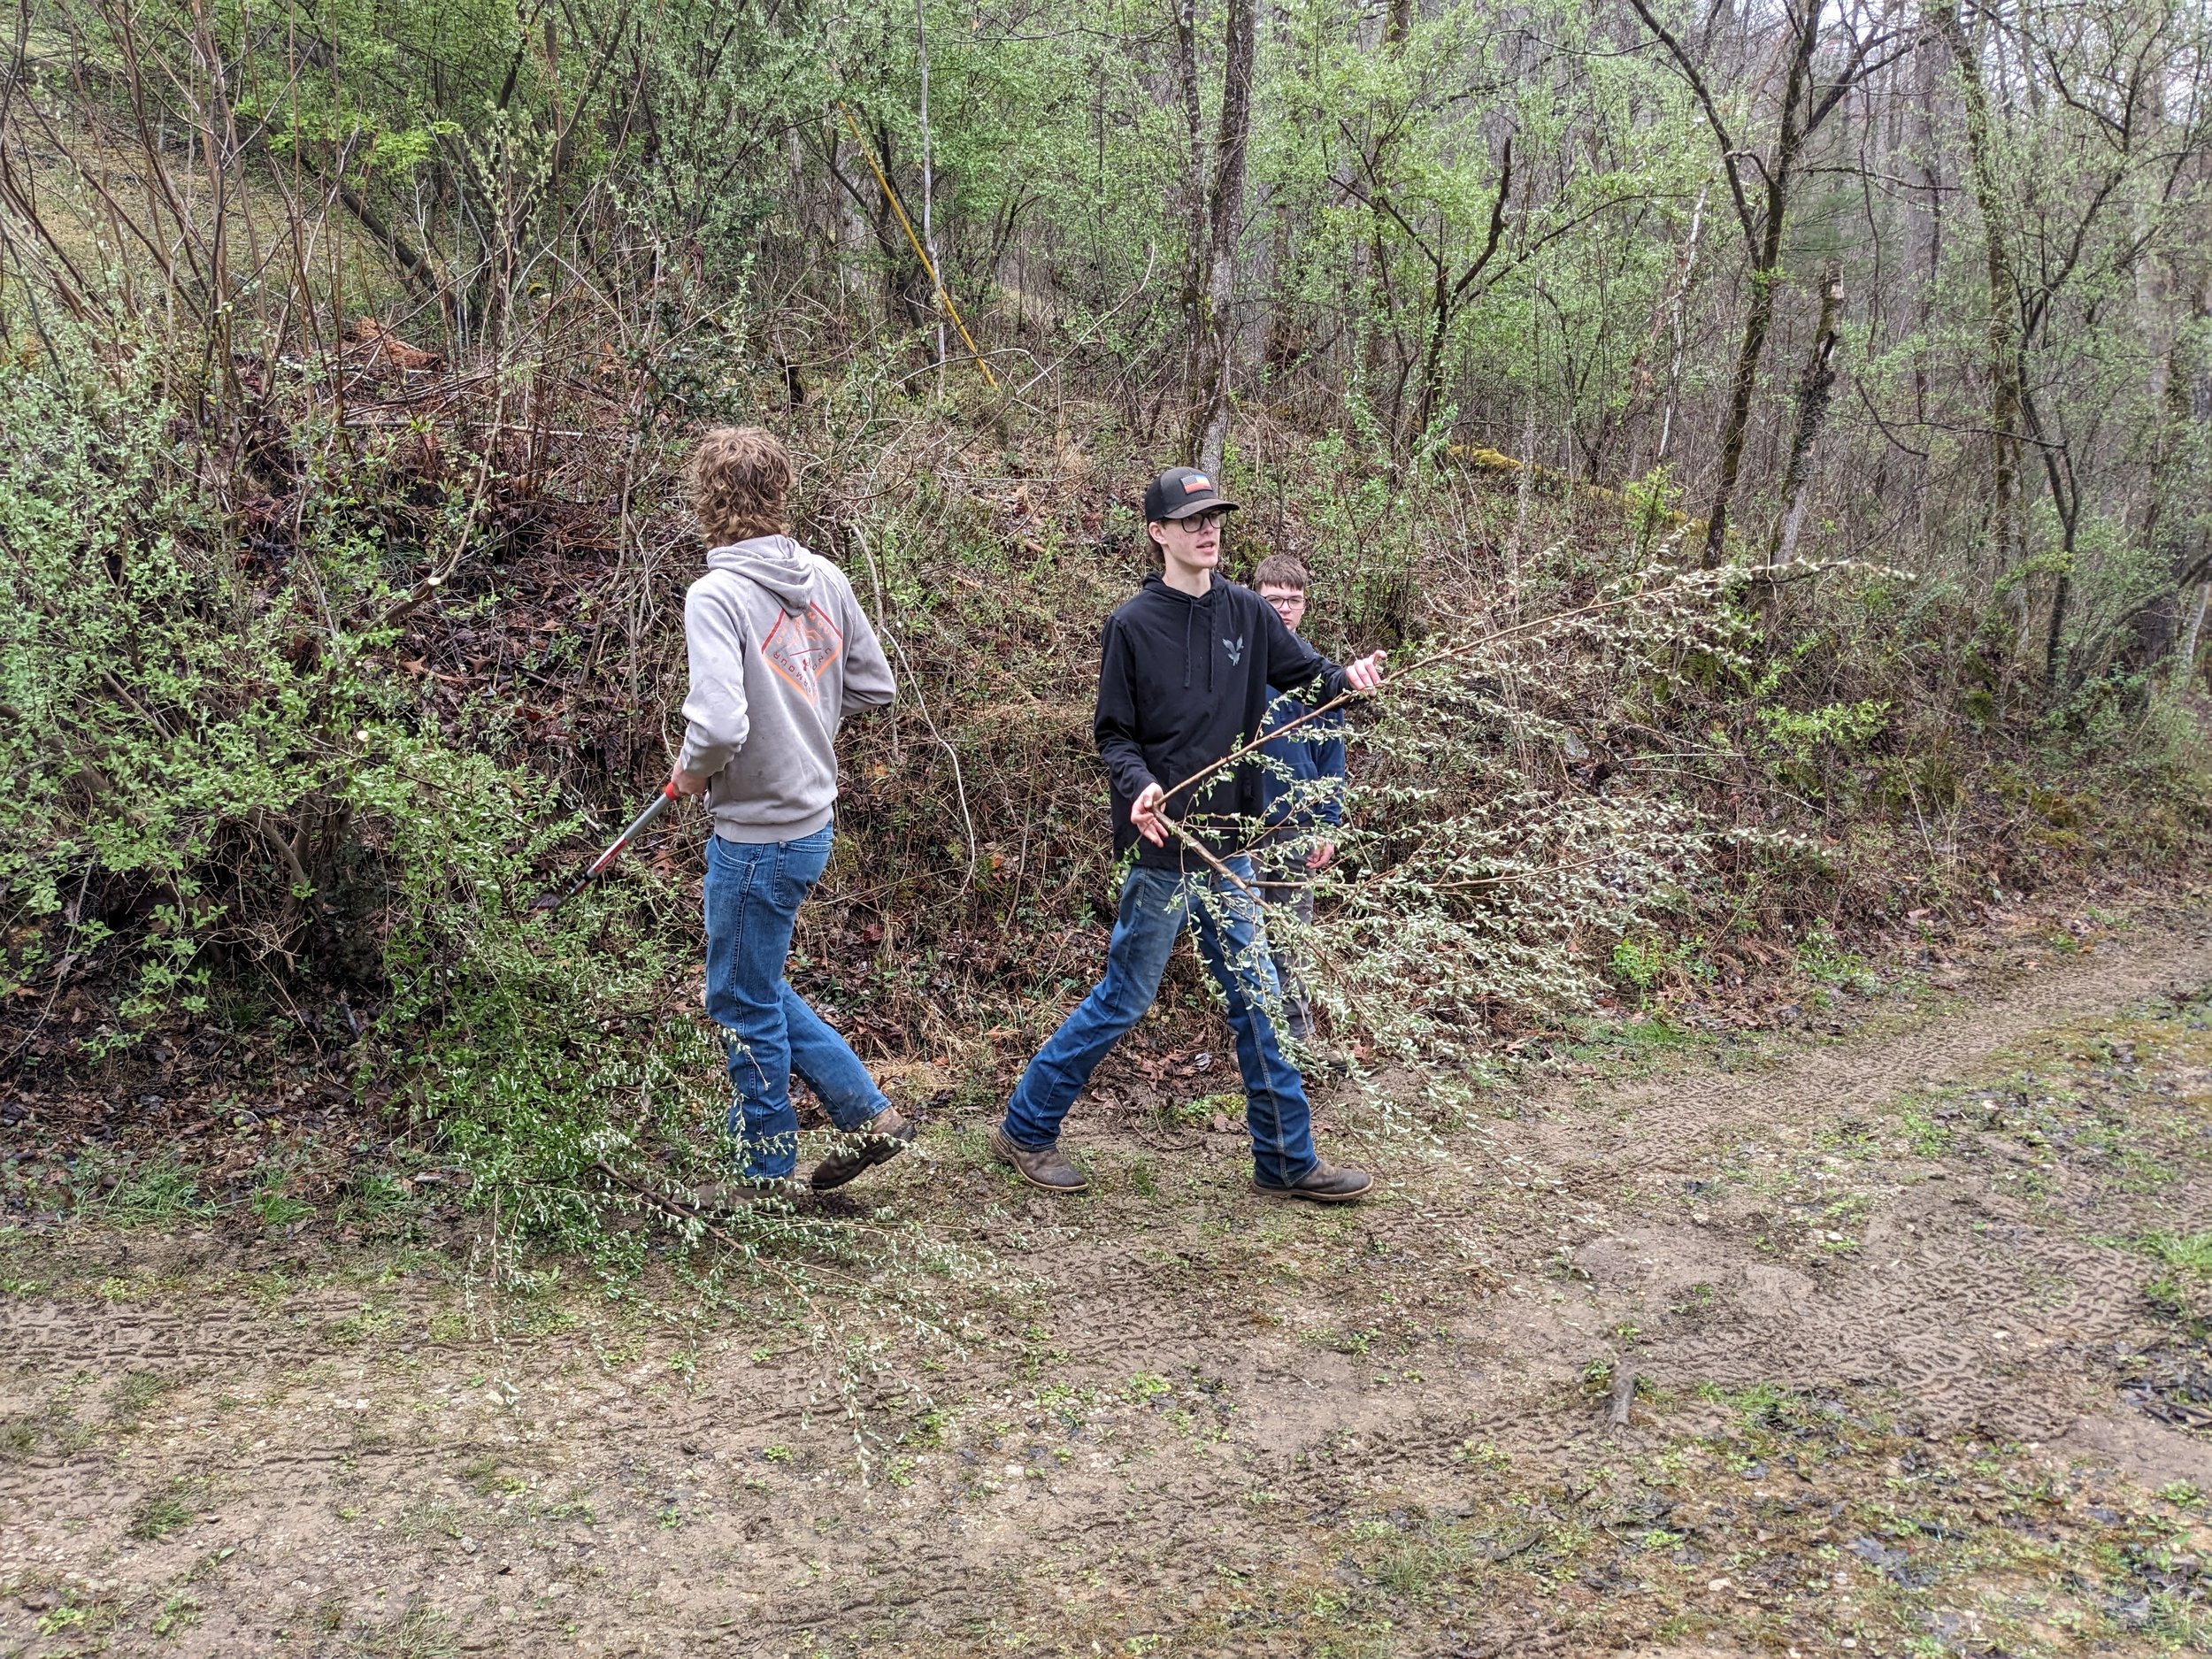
x=1759 y=184
x=1214 y=325
x=2000 y=302
x=1816 y=385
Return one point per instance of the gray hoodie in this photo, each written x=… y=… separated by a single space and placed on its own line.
x=779 y=649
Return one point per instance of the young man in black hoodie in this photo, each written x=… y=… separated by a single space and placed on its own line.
x=1188 y=667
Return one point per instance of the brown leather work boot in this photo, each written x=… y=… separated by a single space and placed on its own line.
x=1326 y=1183
x=882 y=1137
x=1048 y=1167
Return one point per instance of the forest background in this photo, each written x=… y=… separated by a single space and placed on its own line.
x=1781 y=430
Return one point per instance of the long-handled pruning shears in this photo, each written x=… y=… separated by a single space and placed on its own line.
x=549 y=903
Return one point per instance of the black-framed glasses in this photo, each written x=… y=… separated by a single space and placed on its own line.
x=1212 y=520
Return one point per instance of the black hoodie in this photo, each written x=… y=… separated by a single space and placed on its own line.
x=1181 y=683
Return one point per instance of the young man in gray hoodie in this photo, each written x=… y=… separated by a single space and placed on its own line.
x=780 y=649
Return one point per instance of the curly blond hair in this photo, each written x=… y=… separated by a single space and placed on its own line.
x=740 y=476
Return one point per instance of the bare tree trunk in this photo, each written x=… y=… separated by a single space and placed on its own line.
x=1448 y=294
x=1192 y=299
x=2187 y=657
x=2002 y=331
x=2060 y=595
x=1677 y=338
x=1210 y=412
x=1814 y=387
x=1766 y=276
x=2058 y=472
x=929 y=233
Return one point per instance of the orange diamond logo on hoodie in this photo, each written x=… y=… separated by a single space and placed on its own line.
x=799 y=648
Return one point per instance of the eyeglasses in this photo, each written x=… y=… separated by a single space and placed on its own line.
x=1212 y=520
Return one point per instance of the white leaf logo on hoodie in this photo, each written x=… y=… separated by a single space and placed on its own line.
x=798 y=648
x=1235 y=647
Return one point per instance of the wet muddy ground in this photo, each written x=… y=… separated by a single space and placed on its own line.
x=1890 y=1342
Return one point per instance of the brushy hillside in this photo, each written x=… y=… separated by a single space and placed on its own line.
x=1757 y=605
x=285 y=800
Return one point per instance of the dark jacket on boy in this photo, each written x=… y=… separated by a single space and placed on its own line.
x=1182 y=681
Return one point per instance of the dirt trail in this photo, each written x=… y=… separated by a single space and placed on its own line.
x=1195 y=1423
x=1672 y=1122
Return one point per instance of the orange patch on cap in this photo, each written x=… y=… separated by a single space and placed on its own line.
x=1193 y=485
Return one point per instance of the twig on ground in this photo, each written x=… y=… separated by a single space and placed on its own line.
x=1624 y=1395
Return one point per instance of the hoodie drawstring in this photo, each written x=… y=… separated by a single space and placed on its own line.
x=1189 y=611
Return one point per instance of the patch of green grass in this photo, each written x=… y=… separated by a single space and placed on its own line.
x=1643 y=964
x=449 y=1325
x=2188 y=1253
x=930 y=1429
x=418 y=1632
x=137 y=1391
x=53 y=1427
x=1415 y=1569
x=1821 y=959
x=365 y=1323
x=1192 y=1114
x=1927 y=1138
x=154 y=1191
x=275 y=1206
x=487 y=1479
x=376 y=1203
x=162 y=1511
x=1644 y=1040
x=1758 y=1404
x=180 y=1613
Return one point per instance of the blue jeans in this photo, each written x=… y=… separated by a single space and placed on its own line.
x=753 y=892
x=1156 y=906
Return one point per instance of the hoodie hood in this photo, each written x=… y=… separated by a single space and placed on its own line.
x=776 y=562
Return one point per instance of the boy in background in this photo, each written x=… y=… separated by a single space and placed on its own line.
x=779 y=649
x=1304 y=795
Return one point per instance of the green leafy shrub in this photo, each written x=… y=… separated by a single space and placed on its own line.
x=215 y=782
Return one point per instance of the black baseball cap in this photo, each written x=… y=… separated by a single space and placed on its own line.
x=1181 y=491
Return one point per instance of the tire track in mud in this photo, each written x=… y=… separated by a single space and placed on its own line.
x=1676 y=1117
x=1971 y=1307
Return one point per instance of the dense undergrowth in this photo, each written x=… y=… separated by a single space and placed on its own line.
x=295 y=734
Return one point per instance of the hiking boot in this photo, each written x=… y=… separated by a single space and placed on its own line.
x=1047 y=1167
x=1326 y=1183
x=882 y=1137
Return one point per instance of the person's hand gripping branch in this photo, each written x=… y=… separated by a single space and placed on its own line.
x=1149 y=811
x=1366 y=674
